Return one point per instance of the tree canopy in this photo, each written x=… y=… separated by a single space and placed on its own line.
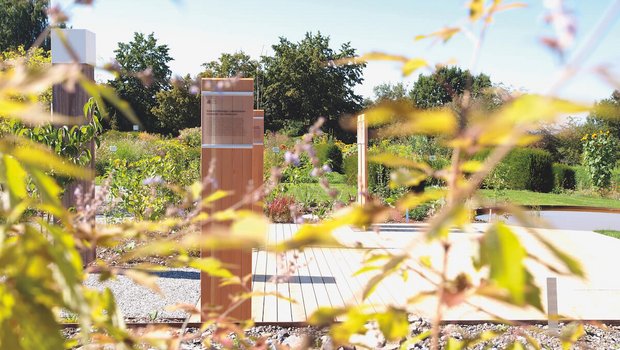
x=21 y=23
x=177 y=108
x=238 y=64
x=302 y=83
x=144 y=72
x=606 y=114
x=388 y=91
x=445 y=84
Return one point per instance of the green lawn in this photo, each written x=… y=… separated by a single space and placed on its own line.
x=313 y=191
x=610 y=233
x=304 y=192
x=535 y=198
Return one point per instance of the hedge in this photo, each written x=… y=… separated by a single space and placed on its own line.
x=564 y=177
x=526 y=169
x=330 y=153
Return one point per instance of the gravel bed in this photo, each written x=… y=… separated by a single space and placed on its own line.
x=597 y=337
x=179 y=286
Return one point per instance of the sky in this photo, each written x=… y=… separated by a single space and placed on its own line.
x=198 y=31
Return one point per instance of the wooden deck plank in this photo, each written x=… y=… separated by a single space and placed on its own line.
x=270 y=308
x=322 y=298
x=284 y=309
x=308 y=283
x=258 y=284
x=347 y=291
x=349 y=268
x=328 y=278
x=298 y=312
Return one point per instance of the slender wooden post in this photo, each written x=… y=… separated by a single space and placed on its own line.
x=71 y=103
x=227 y=142
x=258 y=150
x=362 y=164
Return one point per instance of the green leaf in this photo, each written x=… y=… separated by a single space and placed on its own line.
x=454 y=344
x=502 y=251
x=12 y=173
x=393 y=324
x=570 y=334
x=408 y=344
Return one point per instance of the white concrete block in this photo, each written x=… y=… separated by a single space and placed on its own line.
x=82 y=43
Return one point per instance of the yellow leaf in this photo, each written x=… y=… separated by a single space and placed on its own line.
x=215 y=196
x=393 y=161
x=476 y=9
x=412 y=65
x=445 y=34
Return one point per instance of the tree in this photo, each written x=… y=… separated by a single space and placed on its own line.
x=445 y=84
x=387 y=91
x=606 y=114
x=21 y=23
x=143 y=73
x=177 y=108
x=238 y=64
x=302 y=83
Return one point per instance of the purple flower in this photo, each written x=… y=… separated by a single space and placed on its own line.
x=154 y=180
x=291 y=158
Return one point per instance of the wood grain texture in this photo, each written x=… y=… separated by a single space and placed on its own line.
x=227 y=120
x=71 y=103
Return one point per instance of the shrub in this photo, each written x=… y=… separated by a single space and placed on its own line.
x=129 y=146
x=564 y=177
x=279 y=209
x=191 y=137
x=330 y=154
x=529 y=169
x=599 y=157
x=349 y=166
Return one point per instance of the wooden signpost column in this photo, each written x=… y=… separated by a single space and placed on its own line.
x=362 y=163
x=258 y=150
x=227 y=141
x=71 y=102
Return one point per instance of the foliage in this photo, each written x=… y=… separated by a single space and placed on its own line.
x=139 y=186
x=564 y=177
x=529 y=169
x=563 y=140
x=144 y=72
x=606 y=114
x=177 y=108
x=125 y=146
x=279 y=209
x=238 y=64
x=299 y=86
x=42 y=272
x=36 y=60
x=609 y=233
x=331 y=155
x=393 y=92
x=191 y=137
x=600 y=152
x=22 y=23
x=446 y=84
x=73 y=142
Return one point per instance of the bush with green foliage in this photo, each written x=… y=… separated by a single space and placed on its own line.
x=529 y=169
x=564 y=177
x=599 y=157
x=191 y=137
x=330 y=154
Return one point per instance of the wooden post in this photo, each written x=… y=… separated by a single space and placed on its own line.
x=362 y=164
x=71 y=103
x=227 y=141
x=258 y=150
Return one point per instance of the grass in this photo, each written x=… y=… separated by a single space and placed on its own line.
x=540 y=199
x=313 y=192
x=610 y=233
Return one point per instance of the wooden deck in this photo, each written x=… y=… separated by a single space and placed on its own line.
x=318 y=277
